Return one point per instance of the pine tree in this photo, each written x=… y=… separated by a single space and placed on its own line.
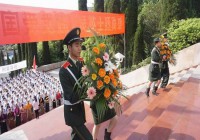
x=46 y=57
x=112 y=6
x=19 y=52
x=15 y=60
x=173 y=9
x=139 y=46
x=131 y=26
x=99 y=5
x=23 y=51
x=2 y=62
x=60 y=50
x=82 y=5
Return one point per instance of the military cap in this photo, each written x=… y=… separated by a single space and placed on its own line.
x=72 y=36
x=156 y=40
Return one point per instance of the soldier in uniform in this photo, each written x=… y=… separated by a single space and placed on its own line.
x=74 y=111
x=164 y=64
x=154 y=69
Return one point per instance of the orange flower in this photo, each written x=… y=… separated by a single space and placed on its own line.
x=99 y=61
x=112 y=76
x=102 y=45
x=107 y=79
x=120 y=85
x=116 y=73
x=115 y=93
x=99 y=84
x=114 y=82
x=95 y=50
x=102 y=72
x=107 y=93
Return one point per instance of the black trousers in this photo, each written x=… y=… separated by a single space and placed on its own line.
x=47 y=107
x=80 y=133
x=18 y=120
x=164 y=76
x=37 y=113
x=3 y=127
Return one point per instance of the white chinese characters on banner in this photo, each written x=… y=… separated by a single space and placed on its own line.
x=13 y=67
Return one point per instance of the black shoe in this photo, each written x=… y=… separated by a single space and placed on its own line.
x=107 y=135
x=147 y=92
x=154 y=91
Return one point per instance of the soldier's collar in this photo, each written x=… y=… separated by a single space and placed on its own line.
x=73 y=60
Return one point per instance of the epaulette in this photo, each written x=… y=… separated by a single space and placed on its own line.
x=81 y=59
x=66 y=64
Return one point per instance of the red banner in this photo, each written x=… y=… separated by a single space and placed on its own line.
x=20 y=24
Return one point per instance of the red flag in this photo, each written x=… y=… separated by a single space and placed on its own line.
x=34 y=64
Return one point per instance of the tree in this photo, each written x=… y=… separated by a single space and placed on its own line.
x=82 y=5
x=2 y=62
x=31 y=50
x=60 y=50
x=112 y=6
x=173 y=9
x=131 y=26
x=46 y=57
x=23 y=51
x=15 y=60
x=150 y=13
x=139 y=49
x=99 y=5
x=19 y=52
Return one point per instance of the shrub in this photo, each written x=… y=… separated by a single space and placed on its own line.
x=184 y=33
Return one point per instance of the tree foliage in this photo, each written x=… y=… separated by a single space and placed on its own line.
x=46 y=56
x=131 y=26
x=99 y=5
x=82 y=5
x=139 y=49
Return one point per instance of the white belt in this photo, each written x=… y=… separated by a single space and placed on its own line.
x=153 y=62
x=66 y=102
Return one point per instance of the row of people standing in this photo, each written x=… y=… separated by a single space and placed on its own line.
x=20 y=115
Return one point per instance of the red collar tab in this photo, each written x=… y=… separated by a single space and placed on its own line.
x=66 y=64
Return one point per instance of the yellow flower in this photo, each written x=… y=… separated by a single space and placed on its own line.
x=95 y=50
x=99 y=84
x=102 y=45
x=102 y=72
x=107 y=93
x=94 y=76
x=99 y=61
x=107 y=79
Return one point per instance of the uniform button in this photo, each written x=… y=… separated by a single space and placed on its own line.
x=71 y=109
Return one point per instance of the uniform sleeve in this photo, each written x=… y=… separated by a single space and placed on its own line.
x=67 y=86
x=155 y=56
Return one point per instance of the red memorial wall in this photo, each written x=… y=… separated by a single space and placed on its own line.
x=20 y=24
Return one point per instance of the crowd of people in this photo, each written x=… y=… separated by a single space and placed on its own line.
x=27 y=96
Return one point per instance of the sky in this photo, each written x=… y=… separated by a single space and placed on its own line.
x=57 y=4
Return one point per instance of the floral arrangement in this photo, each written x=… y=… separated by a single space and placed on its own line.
x=166 y=51
x=100 y=78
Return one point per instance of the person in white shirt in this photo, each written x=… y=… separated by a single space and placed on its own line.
x=36 y=107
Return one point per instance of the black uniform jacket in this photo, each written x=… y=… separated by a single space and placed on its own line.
x=74 y=114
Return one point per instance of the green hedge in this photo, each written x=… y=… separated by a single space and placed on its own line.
x=184 y=33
